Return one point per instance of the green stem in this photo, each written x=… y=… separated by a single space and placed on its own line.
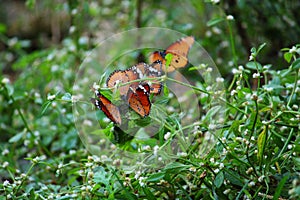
x=251 y=134
x=232 y=43
x=23 y=179
x=294 y=88
x=22 y=117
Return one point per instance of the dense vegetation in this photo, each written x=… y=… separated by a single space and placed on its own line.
x=255 y=154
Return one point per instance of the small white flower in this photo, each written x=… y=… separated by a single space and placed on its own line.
x=251 y=57
x=212 y=126
x=83 y=40
x=137 y=175
x=216 y=170
x=72 y=29
x=209 y=69
x=293 y=50
x=26 y=142
x=235 y=71
x=215 y=1
x=142 y=181
x=251 y=184
x=5 y=81
x=261 y=178
x=290 y=146
x=155 y=149
x=226 y=191
x=192 y=169
x=88 y=164
x=54 y=68
x=233 y=92
x=208 y=34
x=230 y=17
x=87 y=122
x=103 y=157
x=221 y=165
x=182 y=154
x=113 y=147
x=256 y=75
x=5 y=152
x=5 y=164
x=167 y=135
x=219 y=80
x=249 y=170
x=51 y=97
x=216 y=30
x=74 y=11
x=6 y=183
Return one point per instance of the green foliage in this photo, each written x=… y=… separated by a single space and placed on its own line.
x=257 y=151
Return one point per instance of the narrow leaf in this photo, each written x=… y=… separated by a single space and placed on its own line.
x=214 y=21
x=296 y=64
x=261 y=140
x=219 y=179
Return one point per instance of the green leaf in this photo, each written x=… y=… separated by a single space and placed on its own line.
x=45 y=106
x=219 y=179
x=261 y=141
x=254 y=65
x=168 y=57
x=212 y=112
x=10 y=89
x=296 y=64
x=67 y=97
x=17 y=137
x=3 y=28
x=215 y=21
x=234 y=178
x=30 y=4
x=176 y=167
x=253 y=50
x=149 y=194
x=156 y=177
x=280 y=187
x=261 y=47
x=288 y=56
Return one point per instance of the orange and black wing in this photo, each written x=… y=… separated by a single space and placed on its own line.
x=109 y=109
x=155 y=70
x=116 y=78
x=179 y=51
x=138 y=99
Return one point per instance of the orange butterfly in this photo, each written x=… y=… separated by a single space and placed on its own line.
x=179 y=51
x=139 y=71
x=109 y=109
x=138 y=99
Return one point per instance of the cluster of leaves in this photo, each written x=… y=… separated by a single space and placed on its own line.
x=257 y=154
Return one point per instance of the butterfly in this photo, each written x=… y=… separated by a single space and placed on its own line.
x=108 y=108
x=179 y=51
x=138 y=99
x=133 y=74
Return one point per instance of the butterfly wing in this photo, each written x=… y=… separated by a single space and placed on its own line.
x=138 y=99
x=155 y=70
x=118 y=77
x=179 y=51
x=109 y=109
